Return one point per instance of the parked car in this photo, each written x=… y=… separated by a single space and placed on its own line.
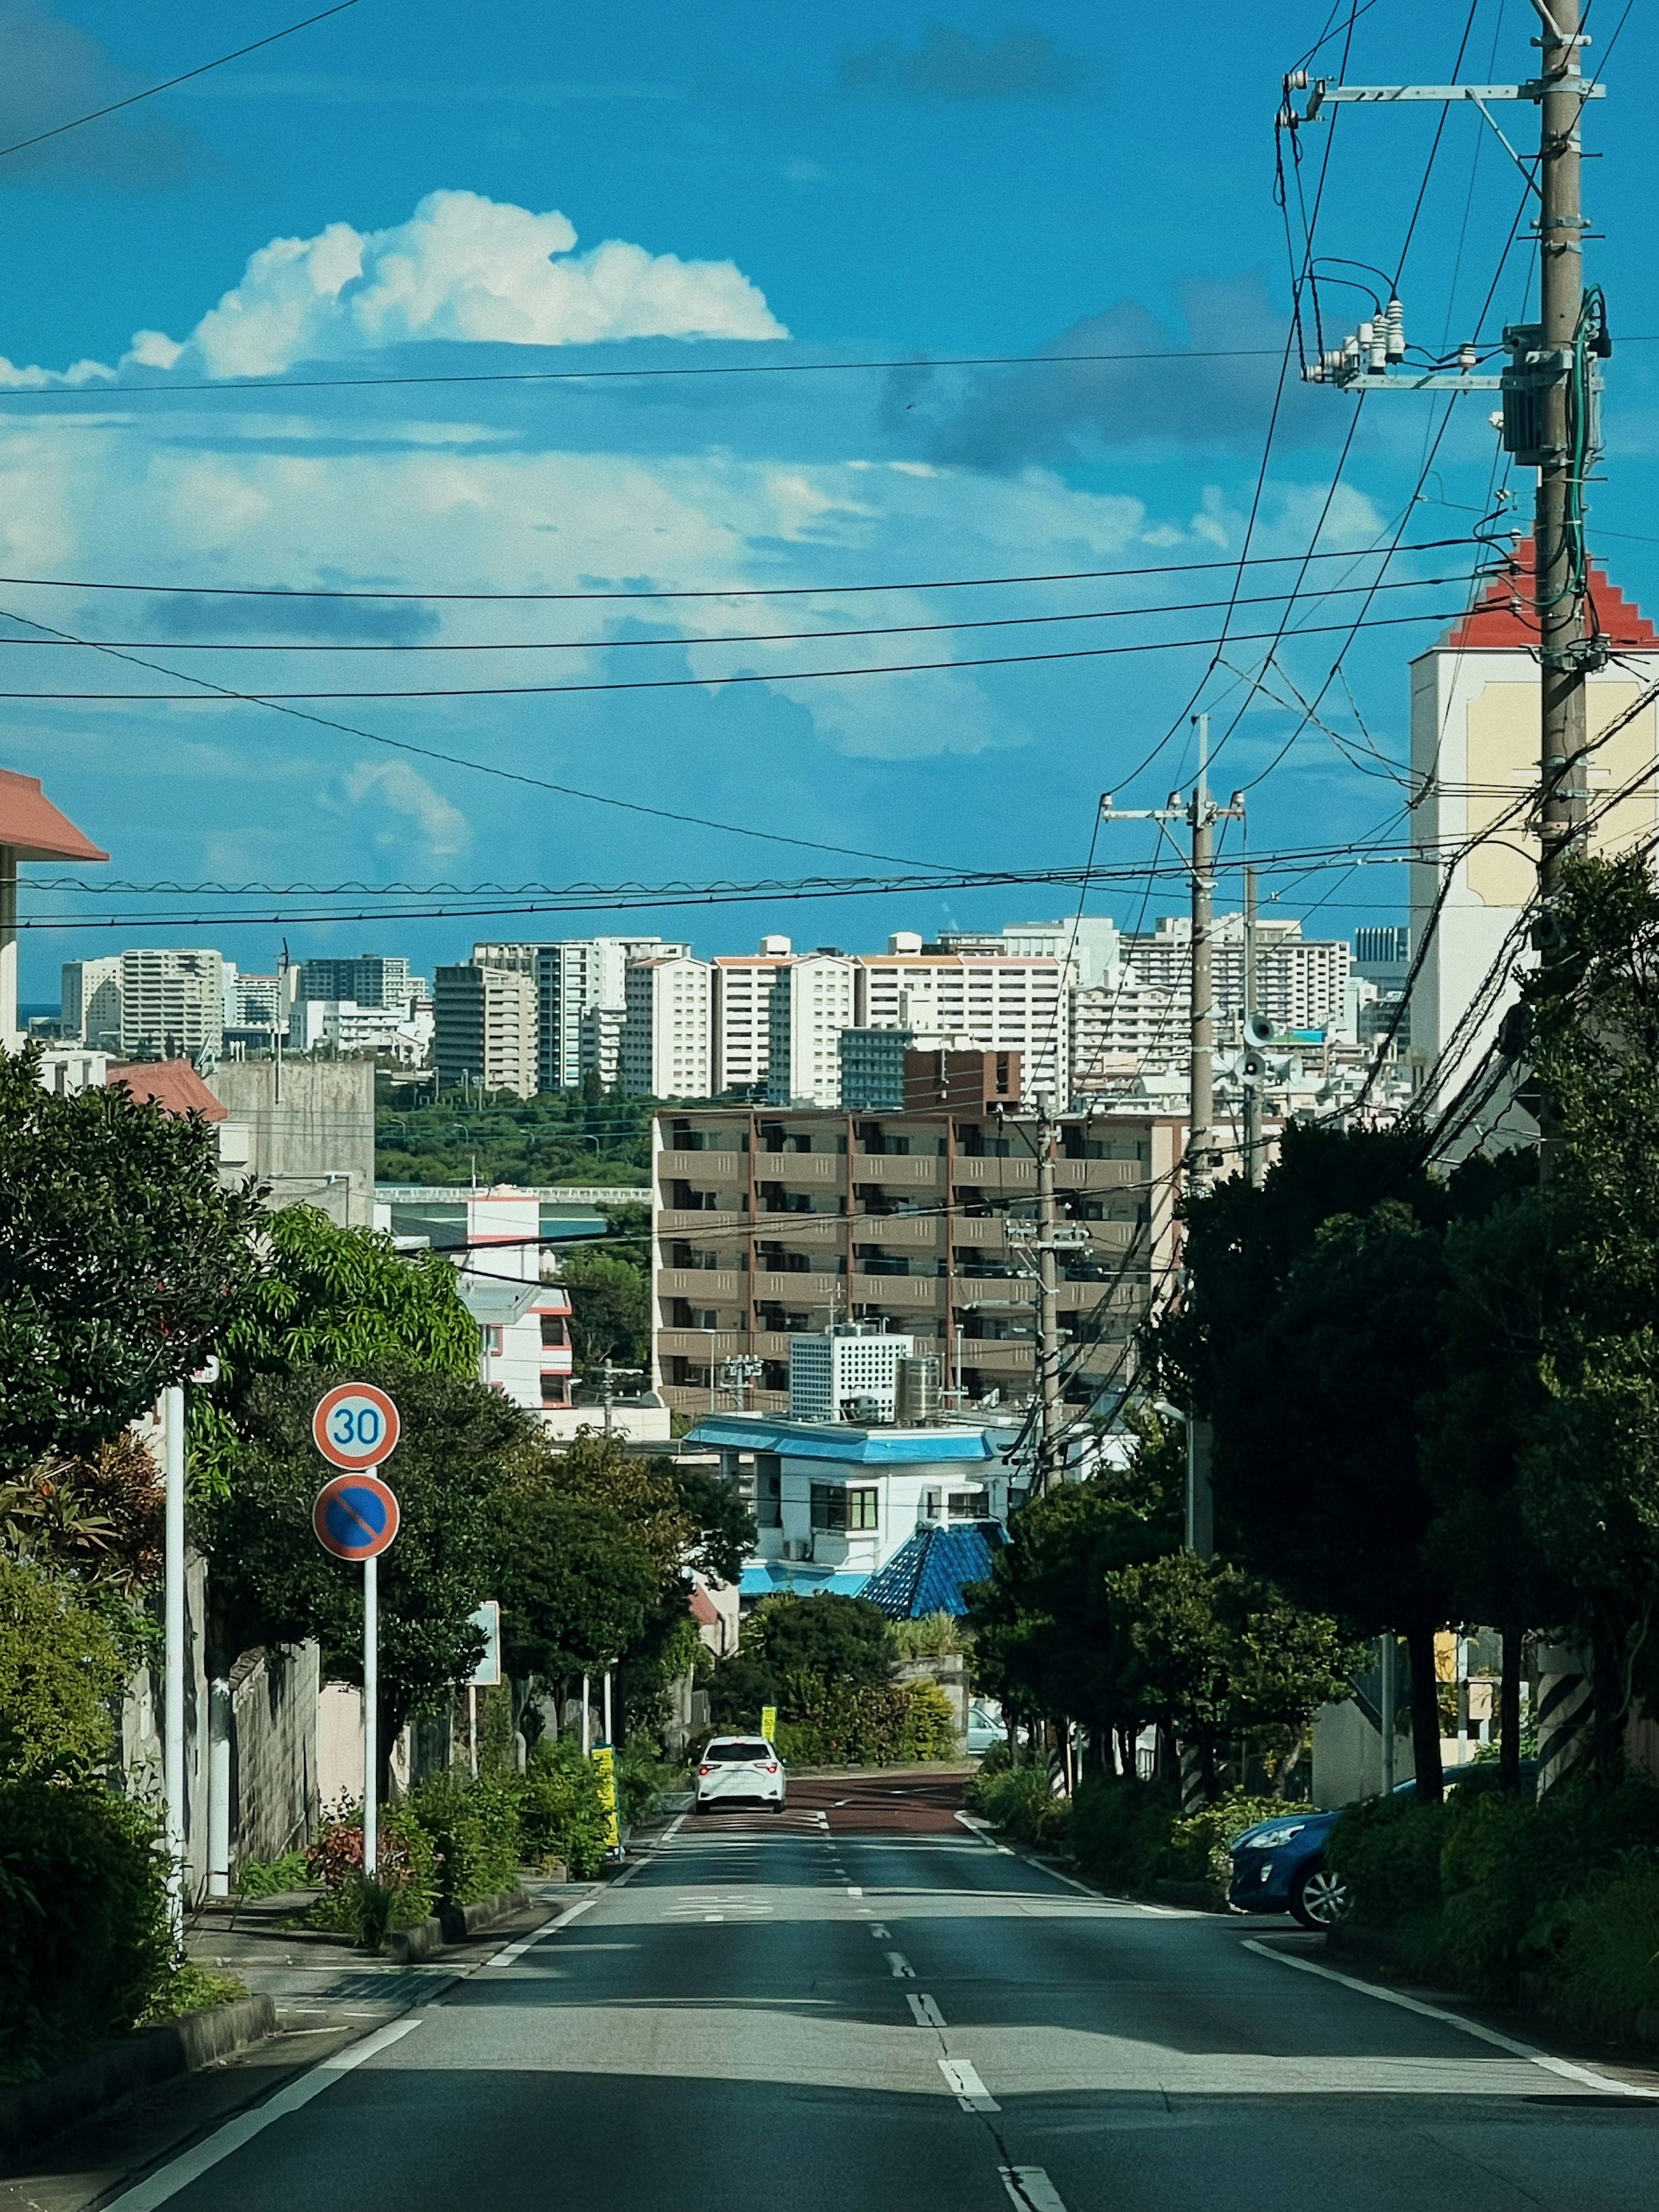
x=985 y=1727
x=1279 y=1866
x=739 y=1769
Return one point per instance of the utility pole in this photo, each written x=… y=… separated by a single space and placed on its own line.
x=1558 y=542
x=1255 y=1157
x=1051 y=1443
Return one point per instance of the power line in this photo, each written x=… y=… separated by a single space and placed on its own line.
x=150 y=91
x=740 y=637
x=287 y=592
x=669 y=683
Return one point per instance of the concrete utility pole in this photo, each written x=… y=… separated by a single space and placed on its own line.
x=1556 y=526
x=1255 y=1157
x=1051 y=1443
x=1201 y=816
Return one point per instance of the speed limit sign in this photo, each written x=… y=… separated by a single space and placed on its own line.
x=355 y=1425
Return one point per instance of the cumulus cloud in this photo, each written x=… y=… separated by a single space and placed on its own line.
x=396 y=786
x=1212 y=389
x=950 y=64
x=55 y=71
x=462 y=268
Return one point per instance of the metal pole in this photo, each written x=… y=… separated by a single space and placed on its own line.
x=173 y=1416
x=218 y=1803
x=608 y=1736
x=473 y=1729
x=1051 y=1445
x=371 y=1713
x=1201 y=1141
x=1561 y=299
x=587 y=1719
x=1389 y=1654
x=1255 y=1158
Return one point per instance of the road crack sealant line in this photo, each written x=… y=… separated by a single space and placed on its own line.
x=157 y=2189
x=1603 y=2083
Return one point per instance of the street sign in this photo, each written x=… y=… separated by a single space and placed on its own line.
x=487 y=1675
x=355 y=1426
x=769 y=1723
x=356 y=1517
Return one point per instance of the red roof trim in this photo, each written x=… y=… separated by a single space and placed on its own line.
x=33 y=827
x=1506 y=617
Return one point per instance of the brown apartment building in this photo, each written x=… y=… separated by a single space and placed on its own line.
x=769 y=1221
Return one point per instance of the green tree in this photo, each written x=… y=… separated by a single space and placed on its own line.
x=122 y=1259
x=578 y=1586
x=461 y=1450
x=610 y=1311
x=59 y=1667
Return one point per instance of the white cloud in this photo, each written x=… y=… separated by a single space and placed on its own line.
x=462 y=267
x=444 y=829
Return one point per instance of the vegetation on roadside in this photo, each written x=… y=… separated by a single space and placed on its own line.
x=826 y=1664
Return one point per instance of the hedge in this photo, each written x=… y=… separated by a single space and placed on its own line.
x=84 y=1948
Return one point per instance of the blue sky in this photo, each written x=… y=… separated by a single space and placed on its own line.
x=423 y=192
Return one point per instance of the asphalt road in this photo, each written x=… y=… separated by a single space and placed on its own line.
x=861 y=2005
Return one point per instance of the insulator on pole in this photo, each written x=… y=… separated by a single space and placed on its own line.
x=1395 y=331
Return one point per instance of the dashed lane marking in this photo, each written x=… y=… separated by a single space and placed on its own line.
x=926 y=2012
x=854 y=1891
x=880 y=1930
x=970 y=2091
x=903 y=1970
x=1030 y=2189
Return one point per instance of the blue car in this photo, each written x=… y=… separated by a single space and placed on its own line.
x=1279 y=1866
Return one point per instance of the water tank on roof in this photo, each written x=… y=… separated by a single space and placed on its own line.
x=916 y=1391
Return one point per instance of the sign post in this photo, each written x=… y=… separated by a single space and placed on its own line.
x=355 y=1517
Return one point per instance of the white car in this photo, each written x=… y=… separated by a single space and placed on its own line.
x=739 y=1769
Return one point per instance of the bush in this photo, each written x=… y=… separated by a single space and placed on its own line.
x=935 y=1636
x=1120 y=1829
x=1022 y=1801
x=1389 y=1850
x=189 y=1988
x=1611 y=1954
x=641 y=1776
x=560 y=1813
x=270 y=1877
x=84 y=1947
x=475 y=1832
x=59 y=1670
x=930 y=1724
x=355 y=1904
x=1197 y=1846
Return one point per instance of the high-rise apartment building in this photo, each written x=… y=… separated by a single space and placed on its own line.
x=172 y=1004
x=486 y=1031
x=262 y=1002
x=665 y=1033
x=372 y=979
x=90 y=1013
x=743 y=1015
x=814 y=998
x=1001 y=1002
x=573 y=975
x=599 y=1044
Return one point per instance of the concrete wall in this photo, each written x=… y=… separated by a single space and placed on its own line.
x=312 y=1126
x=949 y=1670
x=139 y=1747
x=274 y=1787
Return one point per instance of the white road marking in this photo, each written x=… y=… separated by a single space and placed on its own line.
x=879 y=1929
x=969 y=2089
x=707 y=1916
x=903 y=1970
x=926 y=2012
x=977 y=1828
x=1591 y=2080
x=205 y=2156
x=854 y=1891
x=1030 y=2189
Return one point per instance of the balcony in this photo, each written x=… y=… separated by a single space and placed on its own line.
x=679 y=1221
x=999 y=1175
x=1099 y=1175
x=897 y=1171
x=701 y=1166
x=694 y=1343
x=911 y=1231
x=924 y=1293
x=719 y=1286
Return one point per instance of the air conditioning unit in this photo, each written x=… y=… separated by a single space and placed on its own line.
x=797 y=1547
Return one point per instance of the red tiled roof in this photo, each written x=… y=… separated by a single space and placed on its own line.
x=703 y=1608
x=1506 y=617
x=34 y=828
x=172 y=1084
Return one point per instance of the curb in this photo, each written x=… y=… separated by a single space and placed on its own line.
x=1539 y=1997
x=33 y=2111
x=404 y=1947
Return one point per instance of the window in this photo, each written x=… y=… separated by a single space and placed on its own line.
x=967 y=1504
x=861 y=1510
x=769 y=1491
x=829 y=1506
x=552 y=1328
x=555 y=1390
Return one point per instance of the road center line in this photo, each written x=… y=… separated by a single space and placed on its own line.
x=903 y=1970
x=926 y=2012
x=970 y=2091
x=205 y=2156
x=854 y=1891
x=880 y=1930
x=1030 y=2189
x=1591 y=2080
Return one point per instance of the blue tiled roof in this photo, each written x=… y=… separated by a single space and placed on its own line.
x=926 y=1575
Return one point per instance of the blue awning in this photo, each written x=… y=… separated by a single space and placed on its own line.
x=839 y=1440
x=803 y=1582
